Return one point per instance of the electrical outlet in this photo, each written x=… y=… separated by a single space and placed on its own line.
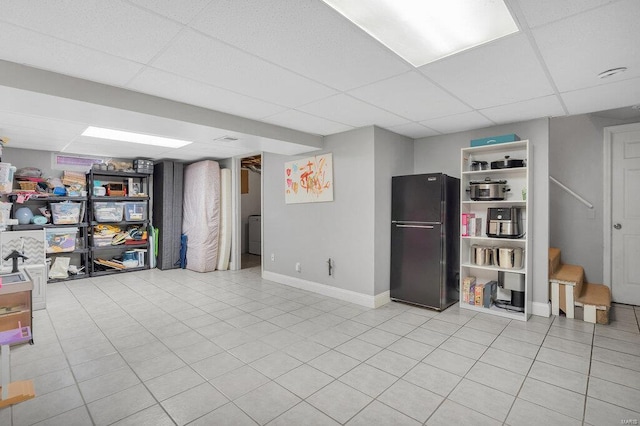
x=273 y=257
x=298 y=267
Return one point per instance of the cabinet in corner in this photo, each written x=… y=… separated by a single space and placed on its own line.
x=118 y=221
x=66 y=231
x=495 y=245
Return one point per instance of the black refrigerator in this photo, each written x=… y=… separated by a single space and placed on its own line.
x=425 y=239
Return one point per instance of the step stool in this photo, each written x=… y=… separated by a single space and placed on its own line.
x=596 y=301
x=566 y=286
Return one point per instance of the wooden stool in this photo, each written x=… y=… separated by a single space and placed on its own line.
x=596 y=300
x=566 y=286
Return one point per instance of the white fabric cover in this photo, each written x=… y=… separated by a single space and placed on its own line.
x=201 y=214
x=224 y=246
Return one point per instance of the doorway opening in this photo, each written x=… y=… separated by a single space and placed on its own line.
x=251 y=211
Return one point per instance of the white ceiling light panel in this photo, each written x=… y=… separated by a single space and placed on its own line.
x=423 y=31
x=139 y=138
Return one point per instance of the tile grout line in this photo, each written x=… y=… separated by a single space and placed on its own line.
x=234 y=289
x=125 y=361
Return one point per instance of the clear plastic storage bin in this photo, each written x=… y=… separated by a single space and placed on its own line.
x=102 y=241
x=135 y=211
x=107 y=211
x=66 y=213
x=61 y=240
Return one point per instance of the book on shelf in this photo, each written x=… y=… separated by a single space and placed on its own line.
x=466 y=218
x=474 y=227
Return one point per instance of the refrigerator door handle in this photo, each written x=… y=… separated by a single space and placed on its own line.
x=415 y=226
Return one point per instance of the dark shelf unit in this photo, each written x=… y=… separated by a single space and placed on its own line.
x=111 y=251
x=121 y=223
x=48 y=225
x=69 y=278
x=81 y=251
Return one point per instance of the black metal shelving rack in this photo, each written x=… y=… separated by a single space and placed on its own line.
x=81 y=250
x=112 y=251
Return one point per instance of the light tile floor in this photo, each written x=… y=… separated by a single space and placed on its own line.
x=228 y=348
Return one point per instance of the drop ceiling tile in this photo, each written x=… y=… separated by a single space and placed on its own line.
x=411 y=96
x=181 y=11
x=170 y=86
x=577 y=49
x=253 y=144
x=345 y=109
x=458 y=122
x=27 y=47
x=201 y=151
x=548 y=106
x=539 y=12
x=114 y=27
x=413 y=130
x=49 y=126
x=604 y=97
x=306 y=123
x=41 y=145
x=203 y=59
x=503 y=72
x=25 y=138
x=307 y=37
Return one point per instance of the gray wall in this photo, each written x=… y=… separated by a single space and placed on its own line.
x=313 y=232
x=250 y=205
x=40 y=159
x=575 y=159
x=442 y=154
x=393 y=157
x=30 y=158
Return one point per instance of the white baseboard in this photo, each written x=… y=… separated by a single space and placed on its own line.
x=541 y=309
x=382 y=299
x=326 y=290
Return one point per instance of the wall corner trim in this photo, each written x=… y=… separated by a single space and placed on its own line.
x=541 y=309
x=382 y=299
x=327 y=290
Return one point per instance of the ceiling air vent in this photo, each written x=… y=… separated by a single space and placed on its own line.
x=227 y=139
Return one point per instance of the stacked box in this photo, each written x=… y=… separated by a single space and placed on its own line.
x=474 y=227
x=478 y=294
x=108 y=211
x=143 y=166
x=102 y=240
x=65 y=213
x=61 y=240
x=511 y=137
x=135 y=210
x=466 y=219
x=466 y=288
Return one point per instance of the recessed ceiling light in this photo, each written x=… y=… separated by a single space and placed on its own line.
x=119 y=135
x=612 y=71
x=422 y=31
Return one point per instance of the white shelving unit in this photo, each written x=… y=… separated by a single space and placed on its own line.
x=519 y=195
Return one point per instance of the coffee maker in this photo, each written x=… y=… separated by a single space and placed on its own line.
x=504 y=222
x=516 y=284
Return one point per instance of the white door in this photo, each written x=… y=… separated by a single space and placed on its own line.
x=625 y=216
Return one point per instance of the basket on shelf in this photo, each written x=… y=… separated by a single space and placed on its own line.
x=26 y=185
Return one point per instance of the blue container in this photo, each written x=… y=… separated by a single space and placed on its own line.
x=511 y=137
